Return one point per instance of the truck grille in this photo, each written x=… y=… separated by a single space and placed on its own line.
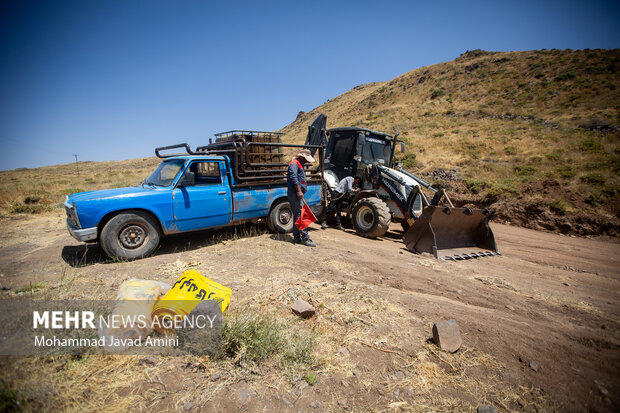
x=71 y=217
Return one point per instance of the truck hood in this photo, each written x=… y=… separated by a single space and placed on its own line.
x=109 y=193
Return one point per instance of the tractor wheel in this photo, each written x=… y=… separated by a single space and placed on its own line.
x=130 y=235
x=371 y=217
x=280 y=218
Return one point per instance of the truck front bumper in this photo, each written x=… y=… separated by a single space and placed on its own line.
x=84 y=234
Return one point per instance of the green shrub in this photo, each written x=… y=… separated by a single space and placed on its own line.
x=593 y=199
x=565 y=75
x=504 y=189
x=510 y=150
x=310 y=379
x=254 y=338
x=16 y=207
x=408 y=160
x=535 y=159
x=560 y=206
x=435 y=93
x=524 y=170
x=30 y=287
x=566 y=171
x=591 y=145
x=475 y=185
x=593 y=179
x=251 y=338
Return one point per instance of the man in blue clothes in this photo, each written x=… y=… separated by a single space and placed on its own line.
x=297 y=187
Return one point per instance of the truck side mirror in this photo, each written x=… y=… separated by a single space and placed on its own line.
x=402 y=147
x=189 y=179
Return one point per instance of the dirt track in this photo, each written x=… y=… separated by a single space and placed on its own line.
x=550 y=299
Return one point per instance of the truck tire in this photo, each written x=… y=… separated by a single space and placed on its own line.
x=280 y=218
x=371 y=217
x=130 y=235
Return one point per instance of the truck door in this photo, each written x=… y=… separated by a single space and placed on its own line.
x=205 y=204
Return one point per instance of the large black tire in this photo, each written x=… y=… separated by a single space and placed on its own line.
x=130 y=235
x=280 y=218
x=371 y=217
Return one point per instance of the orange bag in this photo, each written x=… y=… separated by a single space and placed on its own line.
x=305 y=218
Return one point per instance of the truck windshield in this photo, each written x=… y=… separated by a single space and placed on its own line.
x=165 y=173
x=376 y=149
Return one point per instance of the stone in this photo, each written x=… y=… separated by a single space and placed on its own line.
x=343 y=403
x=244 y=395
x=286 y=402
x=399 y=375
x=410 y=391
x=511 y=308
x=357 y=374
x=188 y=406
x=315 y=404
x=216 y=376
x=397 y=392
x=486 y=408
x=150 y=361
x=343 y=351
x=303 y=309
x=447 y=336
x=534 y=365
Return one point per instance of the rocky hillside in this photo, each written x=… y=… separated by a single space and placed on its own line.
x=532 y=134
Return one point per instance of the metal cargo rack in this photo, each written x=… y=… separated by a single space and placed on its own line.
x=255 y=154
x=265 y=171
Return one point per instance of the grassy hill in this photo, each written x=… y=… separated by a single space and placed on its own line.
x=533 y=134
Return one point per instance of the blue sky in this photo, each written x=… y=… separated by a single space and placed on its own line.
x=112 y=80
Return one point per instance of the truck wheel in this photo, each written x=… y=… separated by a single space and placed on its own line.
x=280 y=218
x=130 y=236
x=371 y=217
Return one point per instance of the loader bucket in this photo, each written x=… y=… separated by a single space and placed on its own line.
x=452 y=233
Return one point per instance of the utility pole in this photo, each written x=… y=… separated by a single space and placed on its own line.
x=77 y=168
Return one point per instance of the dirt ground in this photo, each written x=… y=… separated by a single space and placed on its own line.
x=550 y=302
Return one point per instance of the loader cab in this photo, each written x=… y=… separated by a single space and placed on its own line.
x=349 y=150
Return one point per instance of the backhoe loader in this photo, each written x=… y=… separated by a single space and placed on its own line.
x=388 y=194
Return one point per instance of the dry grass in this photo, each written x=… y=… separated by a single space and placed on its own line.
x=39 y=190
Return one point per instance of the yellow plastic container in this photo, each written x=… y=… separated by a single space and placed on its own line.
x=184 y=296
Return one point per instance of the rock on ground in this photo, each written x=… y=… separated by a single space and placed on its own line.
x=447 y=336
x=303 y=308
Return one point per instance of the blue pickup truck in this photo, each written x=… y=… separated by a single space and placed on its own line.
x=185 y=193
